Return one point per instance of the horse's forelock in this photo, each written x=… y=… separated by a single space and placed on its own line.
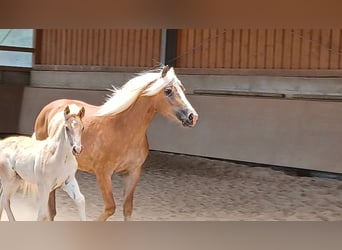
x=169 y=79
x=58 y=120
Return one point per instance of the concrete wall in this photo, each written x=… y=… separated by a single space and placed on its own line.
x=287 y=86
x=78 y=80
x=296 y=133
x=14 y=77
x=34 y=99
x=299 y=133
x=10 y=107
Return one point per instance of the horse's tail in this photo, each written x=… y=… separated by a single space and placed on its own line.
x=29 y=189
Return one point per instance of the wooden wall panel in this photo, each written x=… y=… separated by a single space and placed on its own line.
x=219 y=60
x=265 y=49
x=305 y=49
x=100 y=47
x=228 y=48
x=278 y=49
x=198 y=47
x=252 y=49
x=297 y=49
x=236 y=40
x=261 y=48
x=335 y=47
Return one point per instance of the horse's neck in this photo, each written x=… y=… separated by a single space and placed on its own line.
x=139 y=116
x=60 y=140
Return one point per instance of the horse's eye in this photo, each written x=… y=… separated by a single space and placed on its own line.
x=168 y=91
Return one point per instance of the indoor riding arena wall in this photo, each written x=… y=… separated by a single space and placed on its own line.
x=271 y=96
x=294 y=131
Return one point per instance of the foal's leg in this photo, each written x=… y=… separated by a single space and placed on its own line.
x=8 y=189
x=6 y=176
x=105 y=183
x=130 y=182
x=1 y=193
x=73 y=190
x=52 y=204
x=10 y=183
x=43 y=213
x=6 y=203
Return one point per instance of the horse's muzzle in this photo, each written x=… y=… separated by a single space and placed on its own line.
x=188 y=119
x=76 y=150
x=193 y=117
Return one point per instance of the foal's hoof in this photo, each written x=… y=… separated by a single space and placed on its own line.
x=128 y=218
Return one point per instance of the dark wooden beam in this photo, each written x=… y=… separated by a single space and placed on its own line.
x=18 y=49
x=171 y=47
x=38 y=47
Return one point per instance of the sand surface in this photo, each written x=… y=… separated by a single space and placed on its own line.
x=187 y=188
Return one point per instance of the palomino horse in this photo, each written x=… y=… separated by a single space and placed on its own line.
x=49 y=164
x=115 y=138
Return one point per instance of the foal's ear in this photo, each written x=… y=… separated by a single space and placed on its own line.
x=165 y=70
x=66 y=111
x=81 y=113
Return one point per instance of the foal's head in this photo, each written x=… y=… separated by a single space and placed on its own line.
x=172 y=102
x=74 y=127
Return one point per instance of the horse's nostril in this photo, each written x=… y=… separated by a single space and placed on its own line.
x=77 y=149
x=191 y=117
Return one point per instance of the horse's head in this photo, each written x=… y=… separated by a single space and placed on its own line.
x=74 y=128
x=172 y=102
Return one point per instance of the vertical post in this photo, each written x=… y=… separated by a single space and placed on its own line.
x=168 y=47
x=37 y=43
x=163 y=47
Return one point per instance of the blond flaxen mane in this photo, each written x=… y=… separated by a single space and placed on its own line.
x=148 y=83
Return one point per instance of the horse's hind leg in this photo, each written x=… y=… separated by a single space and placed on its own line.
x=10 y=182
x=73 y=190
x=105 y=183
x=8 y=189
x=7 y=205
x=130 y=182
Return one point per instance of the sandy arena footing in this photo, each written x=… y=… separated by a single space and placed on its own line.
x=187 y=188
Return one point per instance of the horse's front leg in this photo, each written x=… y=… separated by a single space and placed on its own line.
x=130 y=182
x=105 y=183
x=52 y=204
x=73 y=190
x=43 y=212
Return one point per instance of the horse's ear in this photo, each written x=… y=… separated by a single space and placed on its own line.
x=81 y=112
x=165 y=70
x=66 y=111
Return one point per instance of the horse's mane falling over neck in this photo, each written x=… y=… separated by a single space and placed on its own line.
x=148 y=83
